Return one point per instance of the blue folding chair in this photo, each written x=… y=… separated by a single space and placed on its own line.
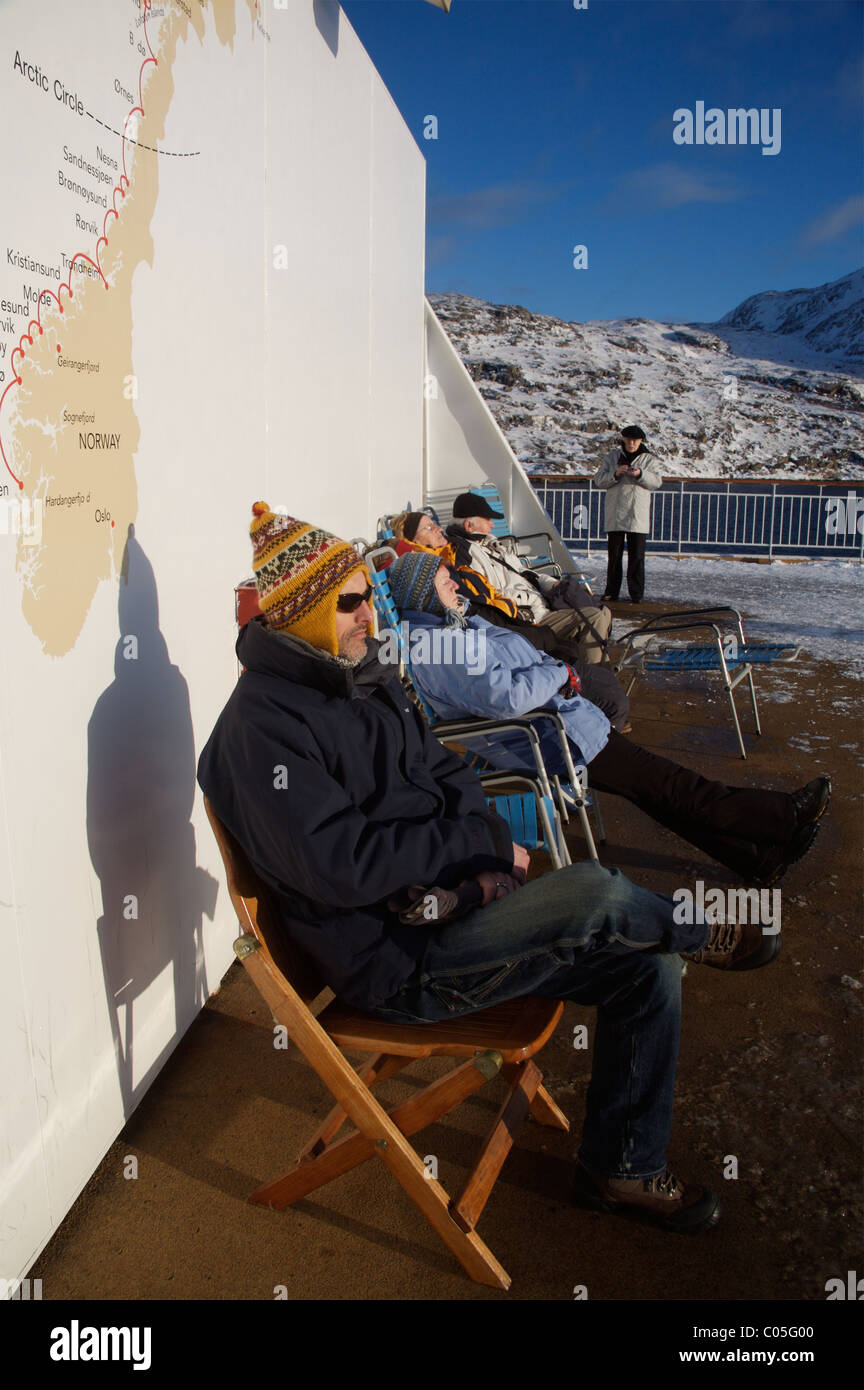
x=524 y=814
x=729 y=656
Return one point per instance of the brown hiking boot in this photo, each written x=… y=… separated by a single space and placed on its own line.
x=736 y=946
x=681 y=1207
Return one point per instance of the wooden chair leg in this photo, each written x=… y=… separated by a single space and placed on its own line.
x=474 y=1256
x=377 y=1126
x=467 y=1209
x=427 y=1193
x=543 y=1108
x=546 y=1112
x=413 y=1115
x=377 y=1068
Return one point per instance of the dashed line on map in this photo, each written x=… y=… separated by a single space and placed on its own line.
x=172 y=154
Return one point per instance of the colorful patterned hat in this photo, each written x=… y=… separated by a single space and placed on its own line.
x=299 y=570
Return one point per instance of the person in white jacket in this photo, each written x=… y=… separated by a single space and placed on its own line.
x=564 y=606
x=629 y=474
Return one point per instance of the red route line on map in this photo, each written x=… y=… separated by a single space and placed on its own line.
x=27 y=336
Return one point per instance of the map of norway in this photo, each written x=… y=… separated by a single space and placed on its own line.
x=69 y=432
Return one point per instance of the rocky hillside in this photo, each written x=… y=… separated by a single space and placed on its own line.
x=774 y=389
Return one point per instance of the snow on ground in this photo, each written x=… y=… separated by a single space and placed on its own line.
x=817 y=603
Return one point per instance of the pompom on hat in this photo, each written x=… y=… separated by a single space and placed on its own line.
x=299 y=570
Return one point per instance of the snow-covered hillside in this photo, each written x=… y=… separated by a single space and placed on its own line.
x=829 y=319
x=766 y=392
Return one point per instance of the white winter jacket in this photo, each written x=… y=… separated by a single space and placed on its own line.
x=496 y=560
x=628 y=503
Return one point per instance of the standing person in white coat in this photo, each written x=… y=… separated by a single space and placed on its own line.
x=629 y=474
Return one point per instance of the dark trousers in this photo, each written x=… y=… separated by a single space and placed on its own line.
x=635 y=563
x=589 y=935
x=734 y=825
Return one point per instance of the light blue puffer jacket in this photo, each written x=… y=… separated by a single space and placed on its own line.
x=493 y=672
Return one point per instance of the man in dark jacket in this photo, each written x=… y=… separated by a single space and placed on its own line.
x=347 y=807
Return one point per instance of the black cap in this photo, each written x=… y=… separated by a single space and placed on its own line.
x=470 y=504
x=632 y=432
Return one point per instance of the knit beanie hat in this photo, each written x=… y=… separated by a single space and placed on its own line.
x=411 y=523
x=412 y=583
x=299 y=570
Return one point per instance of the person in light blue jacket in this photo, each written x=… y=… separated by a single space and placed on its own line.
x=466 y=666
x=495 y=673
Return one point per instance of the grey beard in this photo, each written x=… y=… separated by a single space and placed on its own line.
x=347 y=661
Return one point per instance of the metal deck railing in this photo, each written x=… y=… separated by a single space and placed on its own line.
x=710 y=517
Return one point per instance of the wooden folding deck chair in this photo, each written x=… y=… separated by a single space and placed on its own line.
x=503 y=1038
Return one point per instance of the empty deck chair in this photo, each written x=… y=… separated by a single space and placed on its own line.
x=502 y=1039
x=571 y=796
x=729 y=656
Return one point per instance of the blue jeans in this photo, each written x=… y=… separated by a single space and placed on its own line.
x=589 y=935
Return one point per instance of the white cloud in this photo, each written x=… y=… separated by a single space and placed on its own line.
x=835 y=222
x=671 y=185
x=497 y=206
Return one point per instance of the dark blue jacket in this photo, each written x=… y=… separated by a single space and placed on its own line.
x=330 y=780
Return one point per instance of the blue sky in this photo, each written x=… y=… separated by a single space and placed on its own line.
x=555 y=130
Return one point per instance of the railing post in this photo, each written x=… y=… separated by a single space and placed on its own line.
x=771 y=527
x=680 y=513
x=821 y=519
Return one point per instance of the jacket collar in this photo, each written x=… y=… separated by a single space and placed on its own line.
x=458 y=533
x=417 y=619
x=270 y=653
x=640 y=452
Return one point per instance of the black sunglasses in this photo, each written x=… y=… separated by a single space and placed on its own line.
x=349 y=603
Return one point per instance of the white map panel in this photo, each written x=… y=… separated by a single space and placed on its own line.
x=159 y=372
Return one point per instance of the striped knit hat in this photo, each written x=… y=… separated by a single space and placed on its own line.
x=412 y=583
x=299 y=570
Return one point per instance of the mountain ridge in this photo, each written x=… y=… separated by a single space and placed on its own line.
x=766 y=391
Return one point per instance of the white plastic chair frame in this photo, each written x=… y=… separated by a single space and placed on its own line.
x=638 y=642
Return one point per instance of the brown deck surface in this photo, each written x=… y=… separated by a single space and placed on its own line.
x=770 y=1072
